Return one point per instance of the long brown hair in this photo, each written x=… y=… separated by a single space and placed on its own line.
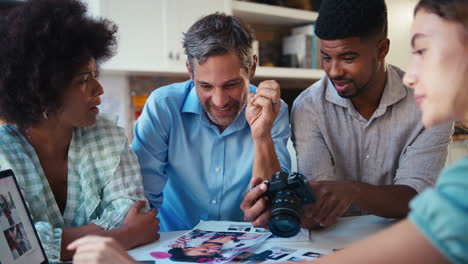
x=452 y=10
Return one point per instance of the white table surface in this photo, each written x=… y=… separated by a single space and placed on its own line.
x=346 y=231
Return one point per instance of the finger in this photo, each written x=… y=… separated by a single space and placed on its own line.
x=93 y=243
x=83 y=241
x=256 y=181
x=315 y=185
x=271 y=85
x=84 y=258
x=262 y=220
x=315 y=209
x=309 y=223
x=264 y=103
x=307 y=210
x=271 y=94
x=250 y=99
x=326 y=209
x=253 y=196
x=138 y=206
x=153 y=212
x=255 y=210
x=337 y=212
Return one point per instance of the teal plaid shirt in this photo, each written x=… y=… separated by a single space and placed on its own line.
x=104 y=181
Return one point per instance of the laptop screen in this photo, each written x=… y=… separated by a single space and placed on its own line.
x=19 y=242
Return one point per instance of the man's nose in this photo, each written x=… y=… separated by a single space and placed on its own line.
x=220 y=98
x=335 y=70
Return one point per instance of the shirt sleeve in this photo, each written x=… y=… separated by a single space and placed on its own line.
x=441 y=213
x=121 y=192
x=51 y=240
x=313 y=156
x=280 y=132
x=422 y=161
x=150 y=144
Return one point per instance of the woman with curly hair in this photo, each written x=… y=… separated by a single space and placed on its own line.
x=74 y=166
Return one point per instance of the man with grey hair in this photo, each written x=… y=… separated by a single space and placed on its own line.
x=201 y=142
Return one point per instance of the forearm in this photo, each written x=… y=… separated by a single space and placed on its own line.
x=71 y=234
x=265 y=160
x=402 y=243
x=390 y=201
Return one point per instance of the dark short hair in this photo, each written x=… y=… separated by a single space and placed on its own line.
x=44 y=43
x=452 y=10
x=178 y=254
x=340 y=19
x=218 y=34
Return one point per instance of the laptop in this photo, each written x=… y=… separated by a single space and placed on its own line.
x=19 y=242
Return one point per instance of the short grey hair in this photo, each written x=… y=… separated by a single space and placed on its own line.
x=217 y=34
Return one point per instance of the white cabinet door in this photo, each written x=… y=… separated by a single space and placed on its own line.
x=181 y=14
x=151 y=31
x=141 y=43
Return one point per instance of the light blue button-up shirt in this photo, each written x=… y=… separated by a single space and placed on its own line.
x=192 y=171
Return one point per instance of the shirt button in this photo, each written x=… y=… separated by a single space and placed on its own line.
x=213 y=201
x=367 y=156
x=217 y=169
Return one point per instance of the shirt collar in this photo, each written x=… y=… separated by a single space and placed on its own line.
x=393 y=92
x=191 y=103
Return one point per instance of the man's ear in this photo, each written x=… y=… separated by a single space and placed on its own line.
x=382 y=48
x=254 y=67
x=189 y=69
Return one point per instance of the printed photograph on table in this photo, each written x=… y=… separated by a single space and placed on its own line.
x=17 y=240
x=8 y=214
x=296 y=259
x=200 y=246
x=240 y=227
x=312 y=254
x=272 y=254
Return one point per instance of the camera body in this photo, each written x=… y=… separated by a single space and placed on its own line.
x=287 y=193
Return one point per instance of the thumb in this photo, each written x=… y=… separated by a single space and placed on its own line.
x=256 y=181
x=250 y=98
x=138 y=206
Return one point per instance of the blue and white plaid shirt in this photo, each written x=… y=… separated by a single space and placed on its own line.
x=104 y=180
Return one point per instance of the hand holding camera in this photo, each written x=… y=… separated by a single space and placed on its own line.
x=287 y=193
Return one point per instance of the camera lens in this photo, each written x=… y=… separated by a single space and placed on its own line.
x=285 y=214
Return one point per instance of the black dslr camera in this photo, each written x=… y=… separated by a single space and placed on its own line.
x=287 y=193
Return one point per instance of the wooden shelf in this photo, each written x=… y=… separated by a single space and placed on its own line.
x=255 y=13
x=262 y=72
x=462 y=137
x=288 y=73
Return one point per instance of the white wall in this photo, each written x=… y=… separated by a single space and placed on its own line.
x=116 y=99
x=400 y=17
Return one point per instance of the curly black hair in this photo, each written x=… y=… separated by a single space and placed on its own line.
x=339 y=19
x=43 y=45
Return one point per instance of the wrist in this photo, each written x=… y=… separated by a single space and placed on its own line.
x=355 y=190
x=262 y=138
x=124 y=234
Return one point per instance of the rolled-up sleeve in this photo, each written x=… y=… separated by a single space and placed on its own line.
x=51 y=240
x=280 y=132
x=422 y=161
x=121 y=192
x=441 y=213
